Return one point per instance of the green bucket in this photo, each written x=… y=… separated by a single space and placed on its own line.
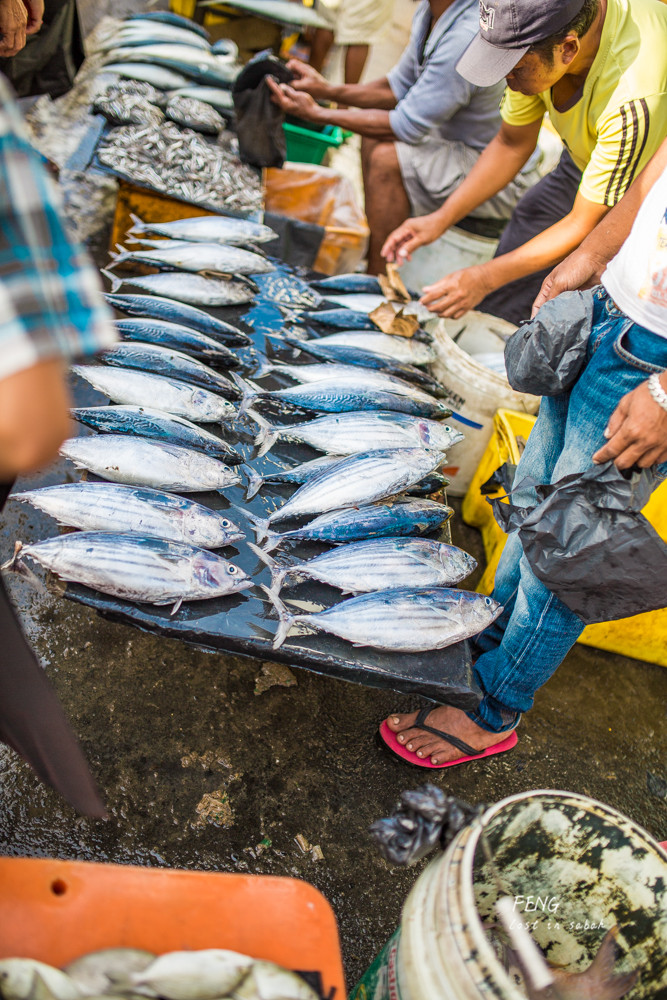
x=305 y=145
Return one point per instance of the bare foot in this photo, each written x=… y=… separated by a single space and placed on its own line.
x=448 y=720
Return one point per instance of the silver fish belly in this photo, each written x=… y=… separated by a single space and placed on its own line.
x=194 y=289
x=207 y=229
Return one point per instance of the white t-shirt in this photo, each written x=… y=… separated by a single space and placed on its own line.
x=636 y=278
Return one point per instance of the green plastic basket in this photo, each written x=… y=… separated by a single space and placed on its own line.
x=306 y=146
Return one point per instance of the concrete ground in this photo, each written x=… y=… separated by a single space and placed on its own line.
x=201 y=760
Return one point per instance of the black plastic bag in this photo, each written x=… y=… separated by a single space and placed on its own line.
x=546 y=355
x=259 y=122
x=587 y=541
x=425 y=818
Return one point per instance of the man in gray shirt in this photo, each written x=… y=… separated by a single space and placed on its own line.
x=423 y=125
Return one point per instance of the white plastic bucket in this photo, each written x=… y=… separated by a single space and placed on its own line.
x=473 y=391
x=587 y=865
x=452 y=251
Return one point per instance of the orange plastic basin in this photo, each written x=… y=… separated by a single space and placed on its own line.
x=58 y=910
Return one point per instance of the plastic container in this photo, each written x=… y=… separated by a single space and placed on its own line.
x=585 y=867
x=57 y=910
x=474 y=393
x=304 y=145
x=454 y=250
x=643 y=637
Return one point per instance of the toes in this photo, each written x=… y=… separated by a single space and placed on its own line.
x=410 y=736
x=398 y=722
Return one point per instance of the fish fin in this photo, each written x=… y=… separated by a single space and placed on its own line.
x=248 y=390
x=265 y=366
x=267 y=436
x=137 y=225
x=12 y=565
x=116 y=283
x=176 y=606
x=260 y=524
x=601 y=970
x=255 y=483
x=16 y=565
x=285 y=619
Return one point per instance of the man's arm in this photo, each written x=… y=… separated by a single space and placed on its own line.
x=375 y=94
x=462 y=290
x=637 y=431
x=34 y=418
x=584 y=267
x=373 y=123
x=500 y=162
x=13 y=23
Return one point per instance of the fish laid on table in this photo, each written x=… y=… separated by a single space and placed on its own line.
x=188 y=256
x=157 y=76
x=286 y=290
x=399 y=516
x=143 y=462
x=180 y=313
x=118 y=508
x=21 y=978
x=377 y=564
x=340 y=319
x=126 y=110
x=345 y=355
x=136 y=34
x=225 y=47
x=164 y=333
x=296 y=474
x=133 y=388
x=218 y=98
x=195 y=64
x=191 y=113
x=348 y=283
x=359 y=479
x=168 y=361
x=345 y=394
x=194 y=289
x=349 y=433
x=137 y=88
x=207 y=229
x=135 y=568
x=167 y=17
x=143 y=421
x=412 y=352
x=401 y=620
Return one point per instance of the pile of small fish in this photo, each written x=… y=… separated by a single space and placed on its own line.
x=210 y=974
x=361 y=398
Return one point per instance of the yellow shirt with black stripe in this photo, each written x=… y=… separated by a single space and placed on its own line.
x=621 y=117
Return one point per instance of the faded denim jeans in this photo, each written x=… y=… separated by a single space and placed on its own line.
x=526 y=644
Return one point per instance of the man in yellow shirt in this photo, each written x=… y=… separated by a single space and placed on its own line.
x=599 y=68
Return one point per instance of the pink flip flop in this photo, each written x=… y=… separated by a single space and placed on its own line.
x=390 y=740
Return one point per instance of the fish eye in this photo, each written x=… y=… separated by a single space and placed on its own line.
x=225 y=523
x=487 y=601
x=232 y=570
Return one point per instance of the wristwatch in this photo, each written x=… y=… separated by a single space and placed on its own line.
x=656 y=390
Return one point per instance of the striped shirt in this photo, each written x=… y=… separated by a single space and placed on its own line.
x=620 y=119
x=51 y=304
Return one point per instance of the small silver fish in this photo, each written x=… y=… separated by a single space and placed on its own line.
x=92 y=972
x=194 y=975
x=191 y=113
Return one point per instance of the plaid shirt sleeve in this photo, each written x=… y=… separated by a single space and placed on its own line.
x=51 y=301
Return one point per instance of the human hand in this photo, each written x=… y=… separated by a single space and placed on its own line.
x=579 y=270
x=456 y=293
x=13 y=22
x=637 y=431
x=411 y=234
x=293 y=102
x=307 y=79
x=35 y=9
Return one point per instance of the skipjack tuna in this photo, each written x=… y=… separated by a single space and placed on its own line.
x=116 y=508
x=181 y=338
x=187 y=256
x=179 y=313
x=412 y=352
x=166 y=361
x=150 y=570
x=207 y=229
x=192 y=288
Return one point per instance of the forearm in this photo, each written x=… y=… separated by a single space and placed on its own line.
x=373 y=124
x=34 y=418
x=377 y=94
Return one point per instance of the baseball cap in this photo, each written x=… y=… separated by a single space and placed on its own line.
x=508 y=28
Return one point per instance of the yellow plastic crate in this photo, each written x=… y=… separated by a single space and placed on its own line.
x=643 y=637
x=186 y=8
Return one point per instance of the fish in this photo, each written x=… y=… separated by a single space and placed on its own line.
x=91 y=972
x=341 y=395
x=398 y=516
x=193 y=975
x=296 y=474
x=207 y=229
x=214 y=258
x=146 y=330
x=194 y=289
x=225 y=47
x=167 y=17
x=126 y=110
x=348 y=283
x=367 y=303
x=286 y=290
x=341 y=319
x=349 y=433
x=158 y=76
x=137 y=34
x=376 y=564
x=191 y=113
x=282 y=11
x=118 y=508
x=401 y=620
x=180 y=313
x=167 y=361
x=343 y=354
x=359 y=479
x=135 y=568
x=267 y=981
x=20 y=978
x=218 y=98
x=132 y=388
x=143 y=462
x=137 y=88
x=143 y=421
x=400 y=348
x=192 y=63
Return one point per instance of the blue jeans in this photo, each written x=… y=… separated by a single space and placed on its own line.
x=530 y=639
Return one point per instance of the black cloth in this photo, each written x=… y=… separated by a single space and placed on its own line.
x=259 y=122
x=51 y=58
x=32 y=721
x=546 y=203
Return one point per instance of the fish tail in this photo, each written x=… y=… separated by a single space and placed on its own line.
x=248 y=390
x=116 y=283
x=278 y=572
x=137 y=225
x=255 y=482
x=260 y=524
x=265 y=367
x=267 y=436
x=16 y=565
x=285 y=619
